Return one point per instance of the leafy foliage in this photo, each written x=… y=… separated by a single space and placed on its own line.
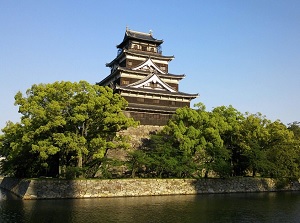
x=225 y=142
x=188 y=145
x=63 y=125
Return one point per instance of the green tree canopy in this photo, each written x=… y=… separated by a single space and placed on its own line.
x=63 y=124
x=295 y=128
x=283 y=152
x=224 y=142
x=188 y=145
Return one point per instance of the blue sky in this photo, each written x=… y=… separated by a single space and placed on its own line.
x=240 y=53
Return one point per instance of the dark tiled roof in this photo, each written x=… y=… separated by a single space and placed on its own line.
x=158 y=92
x=140 y=53
x=176 y=76
x=130 y=34
x=146 y=54
x=140 y=35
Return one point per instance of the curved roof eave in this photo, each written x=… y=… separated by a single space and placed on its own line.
x=156 y=92
x=168 y=75
x=160 y=57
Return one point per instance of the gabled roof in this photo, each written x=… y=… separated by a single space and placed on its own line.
x=149 y=65
x=135 y=35
x=152 y=78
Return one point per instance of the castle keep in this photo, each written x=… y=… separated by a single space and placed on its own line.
x=140 y=73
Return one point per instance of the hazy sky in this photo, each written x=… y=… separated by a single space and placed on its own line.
x=244 y=53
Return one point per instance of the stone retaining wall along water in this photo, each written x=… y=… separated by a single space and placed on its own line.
x=51 y=188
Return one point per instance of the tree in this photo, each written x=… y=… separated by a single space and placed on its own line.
x=283 y=152
x=188 y=144
x=17 y=153
x=253 y=142
x=65 y=125
x=295 y=128
x=228 y=122
x=270 y=148
x=170 y=153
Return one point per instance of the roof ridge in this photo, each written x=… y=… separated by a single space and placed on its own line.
x=139 y=32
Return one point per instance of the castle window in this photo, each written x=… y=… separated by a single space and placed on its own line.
x=129 y=63
x=144 y=48
x=156 y=101
x=125 y=82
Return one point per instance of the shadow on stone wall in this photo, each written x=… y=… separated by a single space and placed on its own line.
x=44 y=188
x=15 y=185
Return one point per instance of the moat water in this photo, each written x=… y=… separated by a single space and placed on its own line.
x=252 y=207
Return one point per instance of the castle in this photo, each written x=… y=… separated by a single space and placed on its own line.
x=140 y=73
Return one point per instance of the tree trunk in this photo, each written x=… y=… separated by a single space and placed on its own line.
x=79 y=163
x=206 y=174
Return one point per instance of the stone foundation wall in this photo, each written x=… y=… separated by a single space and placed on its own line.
x=140 y=134
x=138 y=137
x=51 y=188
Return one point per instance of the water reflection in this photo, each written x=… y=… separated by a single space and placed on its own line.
x=255 y=207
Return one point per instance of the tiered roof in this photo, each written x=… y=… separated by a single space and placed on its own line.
x=135 y=35
x=140 y=74
x=139 y=54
